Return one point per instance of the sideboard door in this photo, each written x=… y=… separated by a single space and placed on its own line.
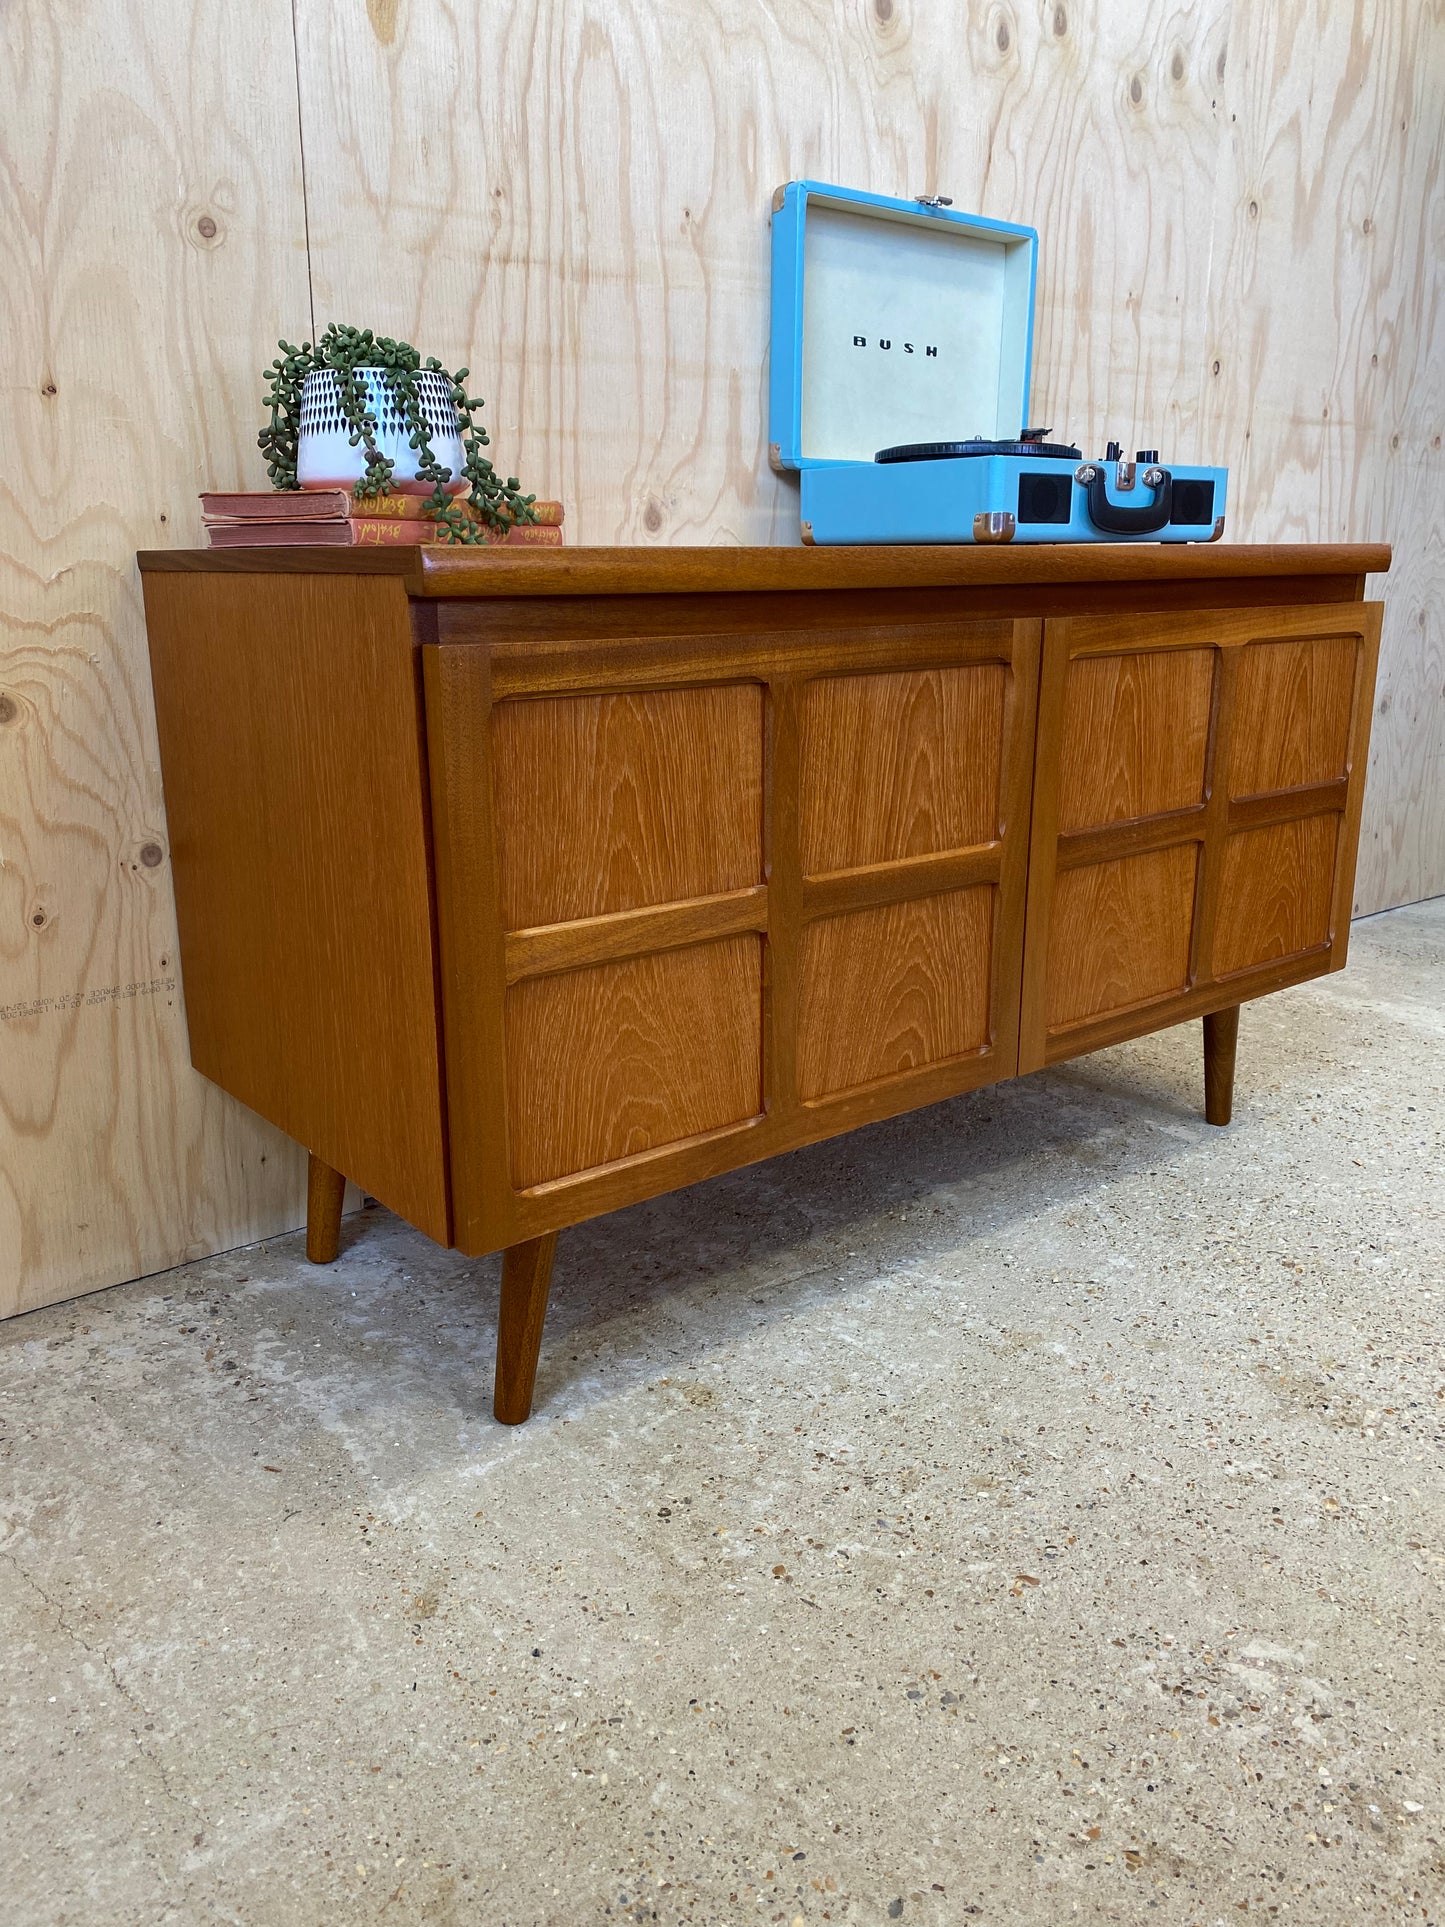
x=1197 y=798
x=709 y=895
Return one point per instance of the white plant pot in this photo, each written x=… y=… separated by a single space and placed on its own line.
x=325 y=457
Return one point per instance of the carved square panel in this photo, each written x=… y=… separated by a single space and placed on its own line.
x=900 y=765
x=1120 y=934
x=893 y=988
x=1293 y=704
x=1135 y=735
x=606 y=1062
x=1275 y=893
x=607 y=803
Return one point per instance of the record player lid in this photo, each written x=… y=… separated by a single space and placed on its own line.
x=893 y=322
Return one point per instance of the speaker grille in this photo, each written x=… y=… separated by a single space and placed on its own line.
x=1193 y=503
x=1045 y=498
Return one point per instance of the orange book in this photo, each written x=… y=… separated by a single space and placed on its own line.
x=359 y=532
x=527 y=535
x=336 y=504
x=403 y=507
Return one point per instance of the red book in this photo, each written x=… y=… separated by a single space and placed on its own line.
x=359 y=532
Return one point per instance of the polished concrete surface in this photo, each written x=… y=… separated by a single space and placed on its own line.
x=1030 y=1511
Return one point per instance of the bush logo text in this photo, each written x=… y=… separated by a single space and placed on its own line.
x=861 y=341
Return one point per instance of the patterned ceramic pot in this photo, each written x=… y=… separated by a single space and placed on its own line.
x=325 y=457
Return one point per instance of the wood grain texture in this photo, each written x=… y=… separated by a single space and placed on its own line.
x=634 y=933
x=1324 y=369
x=895 y=989
x=1361 y=722
x=608 y=803
x=1296 y=703
x=1221 y=1044
x=1134 y=838
x=1240 y=208
x=150 y=221
x=917 y=876
x=899 y=766
x=325 y=1193
x=526 y=1281
x=1119 y=934
x=290 y=724
x=1135 y=730
x=1277 y=694
x=511 y=574
x=605 y=235
x=1285 y=806
x=584 y=645
x=472 y=980
x=607 y=1063
x=489 y=973
x=1275 y=895
x=1403 y=833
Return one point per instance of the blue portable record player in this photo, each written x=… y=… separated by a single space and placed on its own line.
x=902 y=340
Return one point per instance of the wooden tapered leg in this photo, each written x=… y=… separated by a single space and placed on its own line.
x=1221 y=1035
x=325 y=1189
x=526 y=1279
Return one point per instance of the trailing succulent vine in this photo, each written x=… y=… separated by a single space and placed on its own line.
x=497 y=504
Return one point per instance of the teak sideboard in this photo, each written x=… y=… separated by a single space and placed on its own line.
x=521 y=885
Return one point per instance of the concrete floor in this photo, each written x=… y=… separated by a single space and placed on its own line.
x=1030 y=1511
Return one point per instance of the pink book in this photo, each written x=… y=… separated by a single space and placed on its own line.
x=279 y=505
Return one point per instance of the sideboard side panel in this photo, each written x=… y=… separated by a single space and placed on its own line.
x=458 y=688
x=290 y=726
x=1362 y=714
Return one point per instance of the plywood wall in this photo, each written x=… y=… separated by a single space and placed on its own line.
x=151 y=230
x=1242 y=212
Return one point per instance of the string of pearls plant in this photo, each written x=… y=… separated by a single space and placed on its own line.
x=496 y=504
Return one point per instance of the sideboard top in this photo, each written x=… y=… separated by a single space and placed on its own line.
x=715 y=570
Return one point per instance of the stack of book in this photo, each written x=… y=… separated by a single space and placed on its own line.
x=334 y=518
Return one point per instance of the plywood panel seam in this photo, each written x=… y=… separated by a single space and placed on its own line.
x=305 y=187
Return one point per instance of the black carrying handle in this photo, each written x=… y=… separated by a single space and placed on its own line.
x=1112 y=520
